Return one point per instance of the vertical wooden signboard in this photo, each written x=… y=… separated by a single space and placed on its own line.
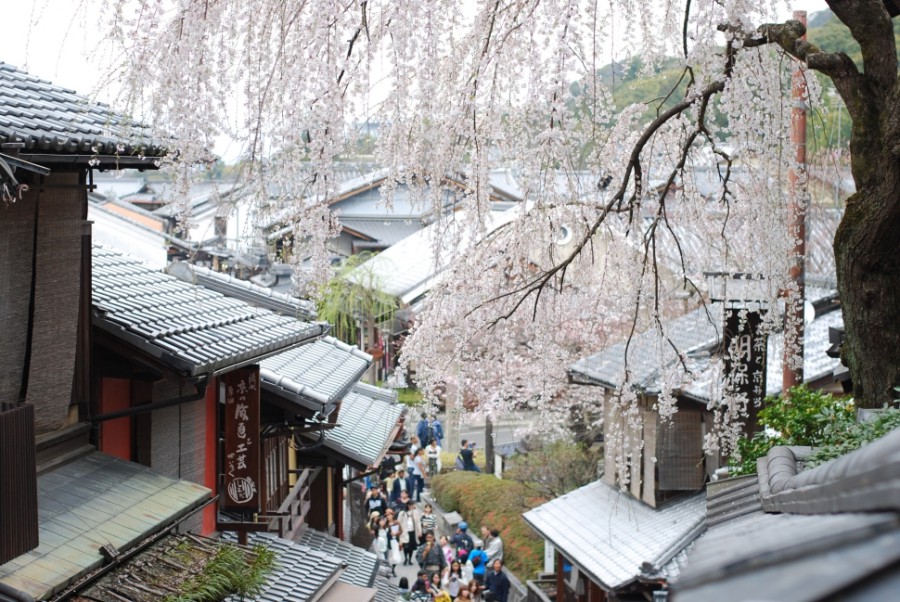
x=745 y=358
x=241 y=458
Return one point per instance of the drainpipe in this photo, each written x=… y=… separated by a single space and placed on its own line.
x=157 y=405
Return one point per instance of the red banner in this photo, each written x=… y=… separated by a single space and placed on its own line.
x=241 y=491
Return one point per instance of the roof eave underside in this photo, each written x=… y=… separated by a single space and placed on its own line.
x=581 y=569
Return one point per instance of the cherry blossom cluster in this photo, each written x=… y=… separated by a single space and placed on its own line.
x=620 y=212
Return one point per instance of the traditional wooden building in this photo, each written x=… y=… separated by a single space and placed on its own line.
x=61 y=501
x=635 y=525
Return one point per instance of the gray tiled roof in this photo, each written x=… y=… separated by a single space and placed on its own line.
x=697 y=331
x=615 y=538
x=732 y=498
x=315 y=376
x=302 y=573
x=362 y=565
x=816 y=363
x=696 y=335
x=91 y=501
x=367 y=419
x=387 y=591
x=866 y=479
x=829 y=531
x=788 y=557
x=51 y=120
x=190 y=328
x=386 y=231
x=244 y=290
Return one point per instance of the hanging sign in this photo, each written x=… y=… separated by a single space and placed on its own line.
x=241 y=459
x=745 y=354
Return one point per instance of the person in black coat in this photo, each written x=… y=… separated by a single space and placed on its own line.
x=497 y=582
x=402 y=483
x=375 y=501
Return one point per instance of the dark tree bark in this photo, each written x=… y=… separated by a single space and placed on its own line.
x=867 y=242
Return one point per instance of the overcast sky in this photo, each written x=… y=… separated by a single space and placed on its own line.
x=57 y=40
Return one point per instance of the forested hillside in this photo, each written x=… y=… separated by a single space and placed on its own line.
x=829 y=124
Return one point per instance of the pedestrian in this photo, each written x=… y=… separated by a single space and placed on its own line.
x=437 y=431
x=412 y=531
x=403 y=592
x=447 y=549
x=395 y=534
x=453 y=580
x=428 y=521
x=466 y=456
x=401 y=483
x=475 y=591
x=463 y=542
x=429 y=555
x=381 y=542
x=423 y=430
x=420 y=472
x=375 y=501
x=433 y=455
x=421 y=588
x=464 y=595
x=401 y=503
x=414 y=446
x=479 y=564
x=494 y=549
x=440 y=595
x=373 y=523
x=497 y=582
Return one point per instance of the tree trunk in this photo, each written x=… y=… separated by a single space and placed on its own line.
x=867 y=254
x=867 y=242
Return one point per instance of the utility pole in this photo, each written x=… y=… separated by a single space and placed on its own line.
x=488 y=445
x=799 y=195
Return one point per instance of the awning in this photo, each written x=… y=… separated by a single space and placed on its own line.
x=91 y=502
x=619 y=539
x=368 y=422
x=313 y=377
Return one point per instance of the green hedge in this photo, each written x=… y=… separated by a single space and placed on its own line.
x=486 y=500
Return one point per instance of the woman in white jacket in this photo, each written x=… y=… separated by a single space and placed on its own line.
x=410 y=522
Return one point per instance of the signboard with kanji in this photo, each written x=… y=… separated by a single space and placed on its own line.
x=745 y=354
x=241 y=457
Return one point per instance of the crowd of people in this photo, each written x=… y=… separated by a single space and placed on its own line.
x=457 y=568
x=452 y=567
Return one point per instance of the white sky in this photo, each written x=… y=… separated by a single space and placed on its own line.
x=59 y=41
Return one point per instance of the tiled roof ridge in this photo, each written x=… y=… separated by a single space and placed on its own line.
x=154 y=310
x=866 y=479
x=53 y=121
x=236 y=287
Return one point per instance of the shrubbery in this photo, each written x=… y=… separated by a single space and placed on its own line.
x=555 y=468
x=815 y=419
x=486 y=500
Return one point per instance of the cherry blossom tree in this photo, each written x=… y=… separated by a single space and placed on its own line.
x=609 y=200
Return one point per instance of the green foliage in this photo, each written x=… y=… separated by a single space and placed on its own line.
x=815 y=419
x=228 y=573
x=410 y=397
x=556 y=468
x=499 y=504
x=351 y=302
x=831 y=128
x=847 y=435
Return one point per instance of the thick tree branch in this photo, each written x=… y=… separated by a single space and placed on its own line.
x=871 y=26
